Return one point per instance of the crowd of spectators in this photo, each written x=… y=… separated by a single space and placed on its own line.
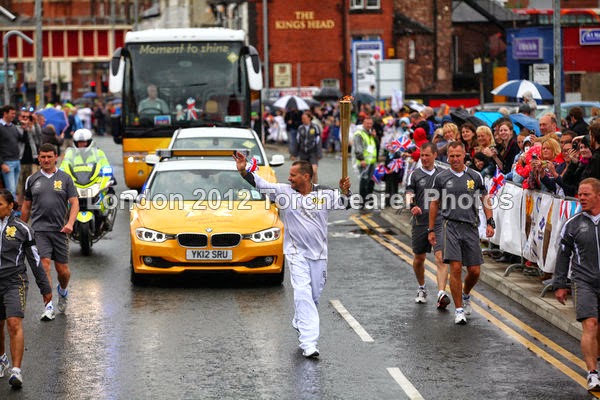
x=554 y=161
x=33 y=129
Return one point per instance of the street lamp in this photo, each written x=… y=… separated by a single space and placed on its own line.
x=5 y=46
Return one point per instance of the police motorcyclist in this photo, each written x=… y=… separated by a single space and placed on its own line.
x=84 y=151
x=82 y=139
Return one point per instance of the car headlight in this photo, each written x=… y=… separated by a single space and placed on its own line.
x=268 y=235
x=149 y=235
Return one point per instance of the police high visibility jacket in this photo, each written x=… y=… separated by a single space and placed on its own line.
x=89 y=155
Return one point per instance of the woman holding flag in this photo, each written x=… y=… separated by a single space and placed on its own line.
x=394 y=165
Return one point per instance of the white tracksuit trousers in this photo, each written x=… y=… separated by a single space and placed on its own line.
x=308 y=279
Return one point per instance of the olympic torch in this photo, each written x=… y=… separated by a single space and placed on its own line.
x=345 y=108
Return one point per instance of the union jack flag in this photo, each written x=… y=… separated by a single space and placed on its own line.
x=497 y=182
x=252 y=165
x=396 y=165
x=394 y=146
x=379 y=173
x=405 y=143
x=401 y=144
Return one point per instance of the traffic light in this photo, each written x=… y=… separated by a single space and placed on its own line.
x=93 y=86
x=104 y=87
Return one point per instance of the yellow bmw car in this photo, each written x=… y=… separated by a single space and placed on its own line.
x=200 y=215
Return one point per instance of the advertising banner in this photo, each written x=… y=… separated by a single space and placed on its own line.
x=365 y=53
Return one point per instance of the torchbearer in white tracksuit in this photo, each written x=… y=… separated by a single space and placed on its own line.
x=304 y=208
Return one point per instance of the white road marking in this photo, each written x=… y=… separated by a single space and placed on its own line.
x=360 y=331
x=348 y=235
x=405 y=384
x=339 y=222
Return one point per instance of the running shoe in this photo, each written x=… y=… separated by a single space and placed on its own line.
x=311 y=352
x=593 y=383
x=62 y=300
x=466 y=298
x=459 y=318
x=48 y=314
x=4 y=366
x=421 y=296
x=16 y=379
x=443 y=300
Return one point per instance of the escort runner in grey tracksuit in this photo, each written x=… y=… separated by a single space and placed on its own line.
x=16 y=244
x=580 y=246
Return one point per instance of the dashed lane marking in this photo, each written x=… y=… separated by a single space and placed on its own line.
x=405 y=384
x=360 y=331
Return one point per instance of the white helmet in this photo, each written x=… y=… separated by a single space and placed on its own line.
x=82 y=135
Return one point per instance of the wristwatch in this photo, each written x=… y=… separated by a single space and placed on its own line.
x=429 y=230
x=491 y=222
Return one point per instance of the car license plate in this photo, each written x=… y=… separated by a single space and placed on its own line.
x=191 y=254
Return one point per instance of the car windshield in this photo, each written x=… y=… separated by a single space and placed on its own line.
x=221 y=143
x=194 y=185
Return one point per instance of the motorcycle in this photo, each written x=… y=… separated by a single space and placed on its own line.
x=94 y=181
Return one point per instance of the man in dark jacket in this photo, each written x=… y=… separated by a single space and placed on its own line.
x=10 y=136
x=28 y=148
x=293 y=120
x=576 y=122
x=594 y=167
x=308 y=144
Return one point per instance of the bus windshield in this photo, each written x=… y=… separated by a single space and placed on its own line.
x=181 y=84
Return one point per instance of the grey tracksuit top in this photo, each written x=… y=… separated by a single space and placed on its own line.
x=580 y=244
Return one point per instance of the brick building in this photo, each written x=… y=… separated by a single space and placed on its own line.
x=313 y=39
x=78 y=40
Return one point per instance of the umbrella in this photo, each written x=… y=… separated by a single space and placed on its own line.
x=81 y=101
x=415 y=105
x=461 y=116
x=291 y=101
x=516 y=88
x=89 y=95
x=363 y=98
x=58 y=118
x=114 y=99
x=526 y=122
x=328 y=93
x=489 y=117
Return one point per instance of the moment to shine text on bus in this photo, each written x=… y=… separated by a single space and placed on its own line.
x=183 y=48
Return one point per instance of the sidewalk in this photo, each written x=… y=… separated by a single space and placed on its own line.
x=523 y=289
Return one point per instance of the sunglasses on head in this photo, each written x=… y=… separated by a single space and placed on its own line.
x=30 y=109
